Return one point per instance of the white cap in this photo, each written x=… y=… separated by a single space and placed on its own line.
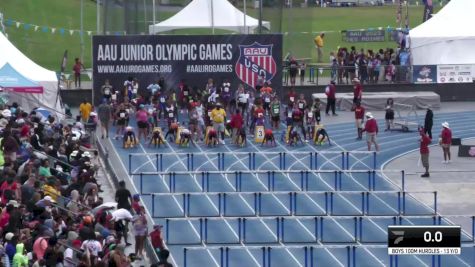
x=6 y=113
x=369 y=115
x=48 y=198
x=9 y=236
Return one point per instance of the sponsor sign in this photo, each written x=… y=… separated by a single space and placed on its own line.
x=424 y=73
x=365 y=36
x=241 y=59
x=454 y=74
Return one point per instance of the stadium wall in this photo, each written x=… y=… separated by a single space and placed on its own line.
x=447 y=92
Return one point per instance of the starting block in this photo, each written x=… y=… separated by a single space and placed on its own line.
x=178 y=137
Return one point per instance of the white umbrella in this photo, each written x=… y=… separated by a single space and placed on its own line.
x=121 y=214
x=105 y=205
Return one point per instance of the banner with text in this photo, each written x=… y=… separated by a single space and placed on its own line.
x=454 y=74
x=354 y=36
x=240 y=59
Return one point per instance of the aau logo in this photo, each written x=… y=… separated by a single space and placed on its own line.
x=255 y=60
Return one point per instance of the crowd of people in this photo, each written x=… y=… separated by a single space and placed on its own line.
x=209 y=115
x=51 y=213
x=192 y=116
x=345 y=64
x=51 y=210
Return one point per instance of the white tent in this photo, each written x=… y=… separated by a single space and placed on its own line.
x=447 y=38
x=26 y=67
x=213 y=14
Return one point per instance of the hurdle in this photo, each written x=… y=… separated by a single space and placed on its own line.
x=316 y=231
x=321 y=203
x=307 y=253
x=310 y=159
x=302 y=178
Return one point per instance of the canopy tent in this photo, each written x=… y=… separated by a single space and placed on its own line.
x=12 y=80
x=447 y=38
x=215 y=14
x=13 y=61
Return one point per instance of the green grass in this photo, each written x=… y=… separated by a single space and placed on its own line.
x=47 y=49
x=314 y=20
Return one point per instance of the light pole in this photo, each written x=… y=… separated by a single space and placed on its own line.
x=260 y=16
x=81 y=34
x=245 y=15
x=98 y=16
x=153 y=14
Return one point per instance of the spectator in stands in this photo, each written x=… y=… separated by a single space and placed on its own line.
x=293 y=69
x=156 y=237
x=334 y=69
x=20 y=259
x=55 y=201
x=163 y=258
x=302 y=68
x=445 y=140
x=362 y=68
x=424 y=150
x=319 y=45
x=9 y=146
x=390 y=71
x=429 y=122
x=330 y=91
x=118 y=256
x=140 y=231
x=371 y=129
x=376 y=62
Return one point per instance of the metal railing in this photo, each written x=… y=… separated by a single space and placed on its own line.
x=317 y=74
